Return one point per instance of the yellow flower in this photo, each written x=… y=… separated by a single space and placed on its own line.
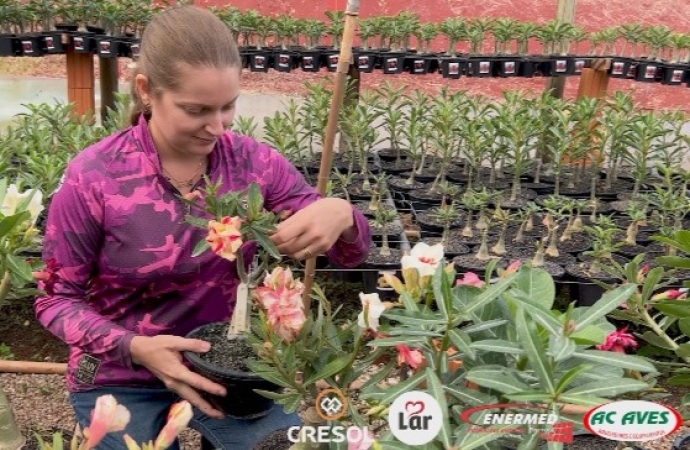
x=225 y=237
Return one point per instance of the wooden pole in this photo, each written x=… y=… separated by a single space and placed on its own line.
x=565 y=13
x=32 y=367
x=594 y=80
x=80 y=82
x=109 y=84
x=344 y=62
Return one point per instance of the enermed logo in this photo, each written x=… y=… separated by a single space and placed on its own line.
x=415 y=418
x=632 y=420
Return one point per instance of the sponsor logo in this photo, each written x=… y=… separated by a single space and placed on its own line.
x=415 y=418
x=632 y=421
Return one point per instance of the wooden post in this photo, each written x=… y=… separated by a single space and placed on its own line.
x=80 y=82
x=565 y=13
x=594 y=80
x=109 y=84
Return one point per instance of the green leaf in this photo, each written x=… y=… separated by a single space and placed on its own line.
x=530 y=441
x=436 y=390
x=680 y=380
x=470 y=441
x=329 y=369
x=483 y=326
x=274 y=395
x=496 y=379
x=608 y=388
x=196 y=221
x=683 y=350
x=684 y=325
x=19 y=267
x=266 y=243
x=254 y=200
x=591 y=334
x=379 y=375
x=656 y=340
x=607 y=303
x=413 y=318
x=675 y=310
x=676 y=262
x=585 y=400
x=651 y=282
x=463 y=342
x=531 y=396
x=442 y=292
x=615 y=359
x=412 y=341
x=7 y=224
x=271 y=376
x=408 y=332
x=200 y=248
x=571 y=376
x=544 y=318
x=290 y=404
x=472 y=397
x=490 y=294
x=498 y=346
x=561 y=347
x=393 y=392
x=535 y=351
x=538 y=285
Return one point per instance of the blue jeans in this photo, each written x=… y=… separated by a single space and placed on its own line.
x=149 y=410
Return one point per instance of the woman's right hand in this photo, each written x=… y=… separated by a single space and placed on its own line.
x=162 y=356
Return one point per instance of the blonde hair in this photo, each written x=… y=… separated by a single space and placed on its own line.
x=181 y=35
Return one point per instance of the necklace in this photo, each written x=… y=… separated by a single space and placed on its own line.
x=185 y=184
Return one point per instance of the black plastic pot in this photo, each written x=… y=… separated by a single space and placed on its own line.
x=453 y=67
x=84 y=43
x=52 y=43
x=310 y=60
x=527 y=68
x=241 y=401
x=619 y=68
x=649 y=72
x=563 y=65
x=481 y=67
x=32 y=45
x=285 y=60
x=674 y=74
x=260 y=61
x=682 y=443
x=331 y=59
x=393 y=62
x=421 y=64
x=10 y=45
x=583 y=290
x=578 y=64
x=365 y=60
x=506 y=68
x=108 y=47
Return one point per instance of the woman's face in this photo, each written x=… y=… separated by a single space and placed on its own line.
x=188 y=121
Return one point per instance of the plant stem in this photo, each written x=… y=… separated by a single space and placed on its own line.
x=5 y=286
x=661 y=333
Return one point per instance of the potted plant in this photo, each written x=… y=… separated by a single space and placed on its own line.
x=400 y=28
x=415 y=134
x=335 y=30
x=504 y=32
x=524 y=32
x=455 y=30
x=480 y=65
x=392 y=107
x=425 y=60
x=657 y=38
x=314 y=30
x=285 y=57
x=234 y=220
x=643 y=131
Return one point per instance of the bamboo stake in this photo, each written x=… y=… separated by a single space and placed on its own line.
x=344 y=61
x=32 y=367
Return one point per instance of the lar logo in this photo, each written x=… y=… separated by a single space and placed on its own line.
x=632 y=420
x=331 y=404
x=415 y=418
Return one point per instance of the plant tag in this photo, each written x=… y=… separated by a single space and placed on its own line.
x=240 y=316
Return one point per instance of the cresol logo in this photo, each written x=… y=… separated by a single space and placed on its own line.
x=632 y=420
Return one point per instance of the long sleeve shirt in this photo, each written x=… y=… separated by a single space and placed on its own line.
x=121 y=252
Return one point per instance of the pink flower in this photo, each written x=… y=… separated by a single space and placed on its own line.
x=618 y=341
x=107 y=417
x=470 y=279
x=225 y=237
x=671 y=294
x=281 y=298
x=406 y=355
x=512 y=268
x=362 y=440
x=179 y=416
x=642 y=273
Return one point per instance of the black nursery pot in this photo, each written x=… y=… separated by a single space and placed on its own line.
x=674 y=74
x=481 y=67
x=32 y=45
x=241 y=402
x=285 y=60
x=682 y=443
x=331 y=58
x=108 y=47
x=649 y=72
x=506 y=68
x=52 y=43
x=259 y=61
x=453 y=67
x=421 y=64
x=619 y=68
x=310 y=60
x=84 y=43
x=393 y=62
x=366 y=61
x=10 y=45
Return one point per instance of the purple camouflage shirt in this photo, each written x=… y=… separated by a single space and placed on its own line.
x=116 y=233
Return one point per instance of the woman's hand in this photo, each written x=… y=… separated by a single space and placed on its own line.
x=313 y=230
x=162 y=356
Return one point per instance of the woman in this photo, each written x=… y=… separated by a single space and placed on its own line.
x=124 y=287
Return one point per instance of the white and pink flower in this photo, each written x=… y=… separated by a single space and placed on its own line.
x=423 y=257
x=225 y=237
x=281 y=298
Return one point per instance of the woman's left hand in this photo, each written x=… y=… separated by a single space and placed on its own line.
x=313 y=230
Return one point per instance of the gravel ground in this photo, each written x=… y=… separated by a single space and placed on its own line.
x=40 y=403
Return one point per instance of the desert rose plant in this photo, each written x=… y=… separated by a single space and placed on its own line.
x=110 y=417
x=464 y=339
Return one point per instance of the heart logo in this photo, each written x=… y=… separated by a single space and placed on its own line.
x=413 y=408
